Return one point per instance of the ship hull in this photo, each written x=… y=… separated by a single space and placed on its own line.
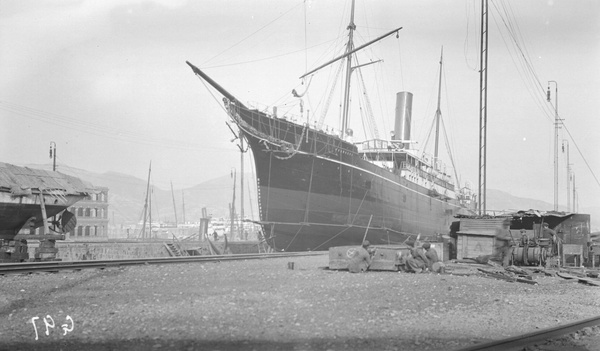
x=27 y=195
x=315 y=191
x=16 y=211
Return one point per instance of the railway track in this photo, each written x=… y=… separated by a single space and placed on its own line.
x=513 y=343
x=520 y=341
x=55 y=266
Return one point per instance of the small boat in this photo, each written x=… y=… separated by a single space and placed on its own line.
x=29 y=197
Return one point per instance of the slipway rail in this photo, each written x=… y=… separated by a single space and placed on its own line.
x=55 y=266
x=520 y=341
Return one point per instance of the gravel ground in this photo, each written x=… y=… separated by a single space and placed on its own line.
x=263 y=305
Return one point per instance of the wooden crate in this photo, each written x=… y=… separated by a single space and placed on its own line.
x=472 y=245
x=572 y=250
x=339 y=256
x=384 y=258
x=387 y=258
x=476 y=237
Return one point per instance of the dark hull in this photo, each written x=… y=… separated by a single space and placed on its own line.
x=20 y=195
x=15 y=211
x=315 y=191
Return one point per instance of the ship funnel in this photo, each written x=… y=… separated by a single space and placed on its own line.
x=403 y=115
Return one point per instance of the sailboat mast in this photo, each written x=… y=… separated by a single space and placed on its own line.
x=183 y=205
x=150 y=211
x=146 y=202
x=438 y=114
x=174 y=205
x=349 y=48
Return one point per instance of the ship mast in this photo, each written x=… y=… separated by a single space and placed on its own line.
x=348 y=53
x=438 y=114
x=143 y=231
x=349 y=48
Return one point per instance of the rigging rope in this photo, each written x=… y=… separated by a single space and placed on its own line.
x=252 y=34
x=370 y=115
x=330 y=96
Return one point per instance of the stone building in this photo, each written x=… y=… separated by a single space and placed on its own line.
x=92 y=217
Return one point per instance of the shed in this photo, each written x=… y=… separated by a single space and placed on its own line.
x=477 y=236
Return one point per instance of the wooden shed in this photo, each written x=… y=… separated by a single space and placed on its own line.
x=477 y=236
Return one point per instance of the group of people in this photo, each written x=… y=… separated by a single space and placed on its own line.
x=505 y=242
x=423 y=258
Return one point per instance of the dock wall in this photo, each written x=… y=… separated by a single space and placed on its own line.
x=109 y=250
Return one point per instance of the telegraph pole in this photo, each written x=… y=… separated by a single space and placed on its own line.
x=555 y=141
x=53 y=155
x=241 y=228
x=568 y=175
x=483 y=61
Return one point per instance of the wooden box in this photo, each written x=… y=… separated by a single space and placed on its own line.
x=384 y=258
x=471 y=246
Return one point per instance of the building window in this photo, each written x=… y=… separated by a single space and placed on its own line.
x=87 y=230
x=87 y=212
x=79 y=231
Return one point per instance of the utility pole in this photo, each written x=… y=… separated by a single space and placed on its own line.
x=241 y=228
x=555 y=141
x=575 y=205
x=232 y=206
x=53 y=155
x=568 y=175
x=483 y=60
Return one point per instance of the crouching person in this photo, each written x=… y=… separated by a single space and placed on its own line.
x=435 y=265
x=418 y=262
x=361 y=260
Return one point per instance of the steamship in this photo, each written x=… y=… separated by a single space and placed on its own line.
x=318 y=190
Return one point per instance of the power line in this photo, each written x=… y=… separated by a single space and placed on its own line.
x=97 y=129
x=535 y=87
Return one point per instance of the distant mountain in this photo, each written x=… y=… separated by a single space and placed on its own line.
x=501 y=200
x=127 y=194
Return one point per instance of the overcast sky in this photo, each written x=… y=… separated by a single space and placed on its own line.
x=107 y=81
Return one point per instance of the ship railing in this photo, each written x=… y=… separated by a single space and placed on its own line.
x=442 y=180
x=384 y=164
x=276 y=112
x=381 y=145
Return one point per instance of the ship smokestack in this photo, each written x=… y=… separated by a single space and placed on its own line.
x=403 y=115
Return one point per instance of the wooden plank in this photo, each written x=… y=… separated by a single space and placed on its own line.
x=590 y=281
x=566 y=275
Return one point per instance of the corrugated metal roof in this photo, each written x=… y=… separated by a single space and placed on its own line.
x=480 y=226
x=15 y=178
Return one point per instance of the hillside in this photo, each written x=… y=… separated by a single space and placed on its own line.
x=126 y=196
